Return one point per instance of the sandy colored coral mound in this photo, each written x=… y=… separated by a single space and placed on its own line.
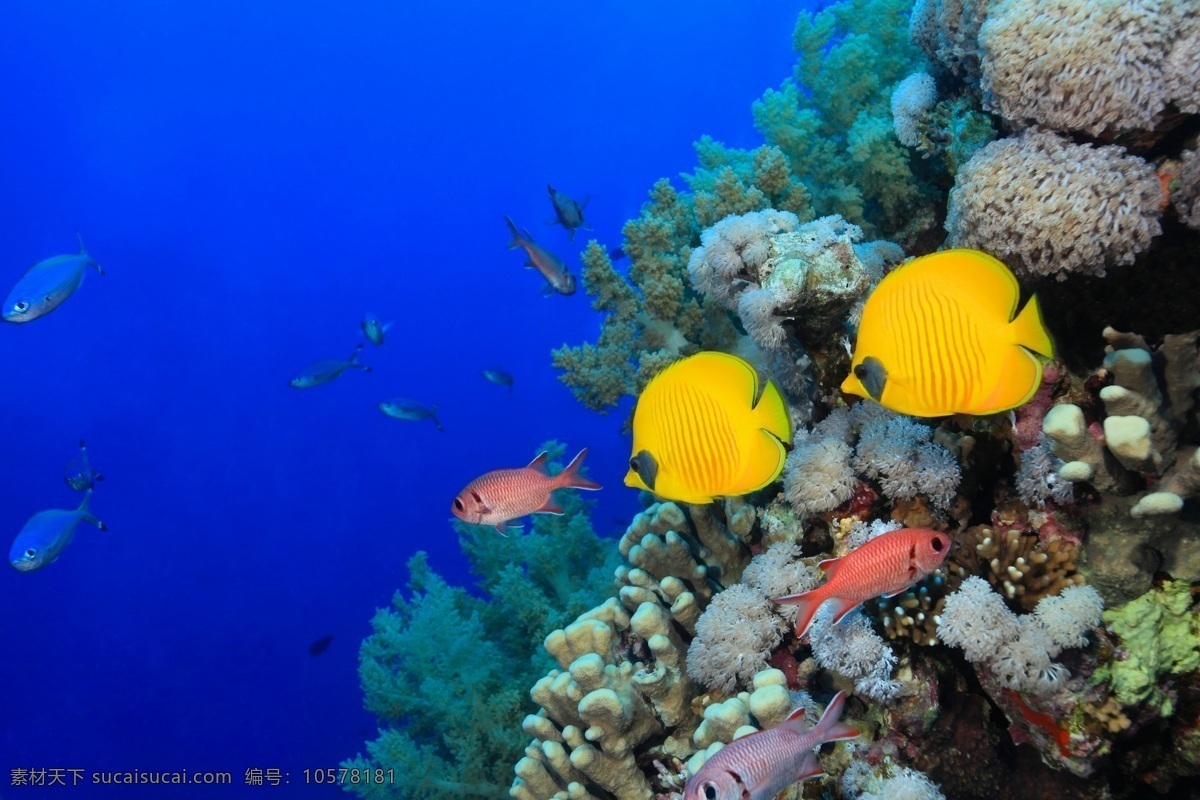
x=1088 y=66
x=1047 y=206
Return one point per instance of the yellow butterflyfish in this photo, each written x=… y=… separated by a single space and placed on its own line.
x=706 y=427
x=938 y=337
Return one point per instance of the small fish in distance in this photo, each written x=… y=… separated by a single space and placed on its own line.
x=320 y=645
x=503 y=495
x=79 y=475
x=46 y=535
x=411 y=410
x=558 y=278
x=757 y=766
x=567 y=212
x=46 y=285
x=498 y=377
x=324 y=371
x=886 y=565
x=373 y=329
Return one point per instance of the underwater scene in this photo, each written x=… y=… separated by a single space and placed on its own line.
x=618 y=401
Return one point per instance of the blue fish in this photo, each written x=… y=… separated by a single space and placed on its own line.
x=403 y=408
x=325 y=371
x=373 y=329
x=46 y=534
x=80 y=476
x=47 y=285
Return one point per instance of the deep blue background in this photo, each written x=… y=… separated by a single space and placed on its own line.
x=253 y=176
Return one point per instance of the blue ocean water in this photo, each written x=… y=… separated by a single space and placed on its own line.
x=253 y=177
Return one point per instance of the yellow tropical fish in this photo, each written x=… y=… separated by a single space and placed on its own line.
x=938 y=337
x=702 y=430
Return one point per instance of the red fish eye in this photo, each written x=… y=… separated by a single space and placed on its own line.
x=458 y=504
x=936 y=544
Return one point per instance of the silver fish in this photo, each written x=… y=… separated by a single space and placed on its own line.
x=46 y=285
x=373 y=329
x=403 y=408
x=558 y=279
x=759 y=765
x=80 y=476
x=46 y=534
x=325 y=371
x=567 y=212
x=499 y=377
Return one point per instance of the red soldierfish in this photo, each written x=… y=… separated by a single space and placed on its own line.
x=886 y=565
x=558 y=278
x=504 y=495
x=757 y=766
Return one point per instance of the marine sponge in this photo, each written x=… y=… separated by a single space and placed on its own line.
x=1046 y=206
x=1159 y=634
x=1088 y=65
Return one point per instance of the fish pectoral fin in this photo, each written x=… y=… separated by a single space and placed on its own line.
x=502 y=529
x=842 y=606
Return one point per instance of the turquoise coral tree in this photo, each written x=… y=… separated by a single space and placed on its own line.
x=448 y=671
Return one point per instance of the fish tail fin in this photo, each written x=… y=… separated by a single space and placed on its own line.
x=517 y=240
x=1029 y=329
x=830 y=728
x=570 y=478
x=436 y=421
x=353 y=360
x=87 y=256
x=807 y=603
x=86 y=515
x=771 y=415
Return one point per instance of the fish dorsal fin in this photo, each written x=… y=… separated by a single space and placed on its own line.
x=795 y=717
x=830 y=567
x=539 y=464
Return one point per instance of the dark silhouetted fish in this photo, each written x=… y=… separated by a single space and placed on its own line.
x=320 y=645
x=567 y=212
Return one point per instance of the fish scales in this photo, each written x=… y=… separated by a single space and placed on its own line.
x=885 y=565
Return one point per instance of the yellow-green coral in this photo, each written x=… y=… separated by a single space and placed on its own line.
x=1159 y=634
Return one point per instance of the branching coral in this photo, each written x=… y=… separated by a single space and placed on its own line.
x=833 y=120
x=1047 y=206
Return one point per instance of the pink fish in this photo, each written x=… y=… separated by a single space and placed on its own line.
x=886 y=565
x=503 y=495
x=757 y=766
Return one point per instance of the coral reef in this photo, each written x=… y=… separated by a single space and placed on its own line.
x=1010 y=200
x=1149 y=404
